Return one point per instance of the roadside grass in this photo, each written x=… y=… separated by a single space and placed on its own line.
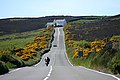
x=107 y=61
x=17 y=40
x=20 y=35
x=19 y=43
x=70 y=54
x=78 y=61
x=88 y=62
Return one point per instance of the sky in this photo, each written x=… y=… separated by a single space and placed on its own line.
x=39 y=8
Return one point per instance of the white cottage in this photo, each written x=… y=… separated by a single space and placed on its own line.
x=57 y=23
x=60 y=22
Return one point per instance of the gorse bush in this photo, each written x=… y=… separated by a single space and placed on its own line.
x=12 y=59
x=114 y=65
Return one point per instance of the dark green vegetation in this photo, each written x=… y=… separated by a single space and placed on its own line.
x=107 y=59
x=3 y=68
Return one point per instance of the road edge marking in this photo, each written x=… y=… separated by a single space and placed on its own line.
x=14 y=70
x=68 y=59
x=100 y=72
x=48 y=75
x=66 y=52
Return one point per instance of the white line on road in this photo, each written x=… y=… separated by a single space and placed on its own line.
x=68 y=59
x=100 y=72
x=46 y=78
x=14 y=70
x=41 y=60
x=58 y=33
x=37 y=63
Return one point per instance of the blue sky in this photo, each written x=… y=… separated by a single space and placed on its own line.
x=38 y=8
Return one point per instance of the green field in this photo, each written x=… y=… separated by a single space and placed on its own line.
x=17 y=40
x=19 y=43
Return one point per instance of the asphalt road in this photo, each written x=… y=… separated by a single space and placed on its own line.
x=59 y=67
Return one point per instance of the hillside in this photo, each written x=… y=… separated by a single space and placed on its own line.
x=95 y=29
x=24 y=49
x=94 y=43
x=18 y=25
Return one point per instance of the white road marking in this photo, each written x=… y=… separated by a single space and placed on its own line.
x=37 y=63
x=14 y=70
x=46 y=78
x=100 y=72
x=41 y=60
x=58 y=35
x=48 y=75
x=50 y=69
x=68 y=59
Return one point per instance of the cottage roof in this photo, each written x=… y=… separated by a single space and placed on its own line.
x=59 y=20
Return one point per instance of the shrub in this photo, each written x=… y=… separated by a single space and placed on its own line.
x=3 y=68
x=83 y=43
x=115 y=64
x=12 y=59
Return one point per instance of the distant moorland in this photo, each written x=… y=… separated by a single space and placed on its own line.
x=18 y=25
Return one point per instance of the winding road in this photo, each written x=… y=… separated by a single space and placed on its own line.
x=59 y=68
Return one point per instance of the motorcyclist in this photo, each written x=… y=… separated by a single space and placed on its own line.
x=47 y=60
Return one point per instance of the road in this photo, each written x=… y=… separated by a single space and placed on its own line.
x=59 y=67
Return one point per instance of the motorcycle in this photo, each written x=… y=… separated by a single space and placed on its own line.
x=47 y=60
